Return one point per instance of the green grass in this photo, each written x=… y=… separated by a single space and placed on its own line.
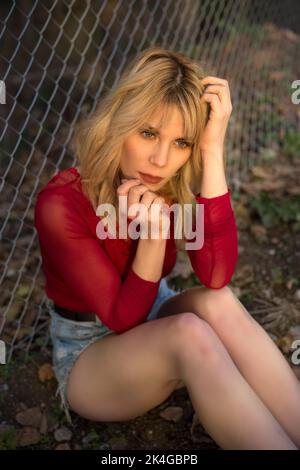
x=46 y=440
x=6 y=370
x=58 y=412
x=291 y=143
x=247 y=296
x=95 y=441
x=8 y=440
x=277 y=275
x=273 y=212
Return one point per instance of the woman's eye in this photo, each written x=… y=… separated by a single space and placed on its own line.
x=186 y=144
x=147 y=132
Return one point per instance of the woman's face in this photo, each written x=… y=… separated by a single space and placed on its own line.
x=156 y=151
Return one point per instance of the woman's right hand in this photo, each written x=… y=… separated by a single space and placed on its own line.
x=137 y=192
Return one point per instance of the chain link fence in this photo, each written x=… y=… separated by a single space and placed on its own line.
x=58 y=57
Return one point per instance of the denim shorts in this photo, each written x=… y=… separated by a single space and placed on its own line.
x=69 y=338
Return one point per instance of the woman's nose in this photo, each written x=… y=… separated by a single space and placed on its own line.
x=160 y=158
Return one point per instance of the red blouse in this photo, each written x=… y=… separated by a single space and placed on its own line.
x=87 y=274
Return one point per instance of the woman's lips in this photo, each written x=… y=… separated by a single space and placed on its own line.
x=150 y=179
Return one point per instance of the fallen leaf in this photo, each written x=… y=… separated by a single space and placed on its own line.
x=45 y=372
x=242 y=215
x=262 y=172
x=13 y=311
x=259 y=232
x=27 y=436
x=284 y=343
x=23 y=290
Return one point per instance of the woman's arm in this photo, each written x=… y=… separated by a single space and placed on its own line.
x=214 y=263
x=79 y=271
x=213 y=181
x=149 y=259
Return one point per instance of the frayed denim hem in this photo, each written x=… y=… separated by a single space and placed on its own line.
x=64 y=405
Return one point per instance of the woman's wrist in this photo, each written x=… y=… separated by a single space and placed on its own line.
x=213 y=181
x=149 y=259
x=153 y=242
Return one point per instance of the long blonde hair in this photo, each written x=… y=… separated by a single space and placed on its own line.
x=155 y=77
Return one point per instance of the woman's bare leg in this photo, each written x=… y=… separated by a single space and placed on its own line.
x=123 y=376
x=256 y=356
x=226 y=405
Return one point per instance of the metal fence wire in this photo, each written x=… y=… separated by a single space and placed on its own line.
x=57 y=58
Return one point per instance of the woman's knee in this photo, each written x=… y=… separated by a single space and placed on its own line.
x=193 y=336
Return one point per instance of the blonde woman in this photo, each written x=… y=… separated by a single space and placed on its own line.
x=123 y=340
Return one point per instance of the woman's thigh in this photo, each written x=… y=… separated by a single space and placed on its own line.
x=122 y=376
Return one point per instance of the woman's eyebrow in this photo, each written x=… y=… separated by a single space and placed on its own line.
x=156 y=130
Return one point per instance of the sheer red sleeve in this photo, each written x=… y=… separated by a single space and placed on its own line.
x=73 y=255
x=214 y=263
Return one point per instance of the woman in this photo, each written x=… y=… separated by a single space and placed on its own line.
x=123 y=340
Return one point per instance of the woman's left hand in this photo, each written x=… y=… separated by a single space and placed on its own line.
x=217 y=94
